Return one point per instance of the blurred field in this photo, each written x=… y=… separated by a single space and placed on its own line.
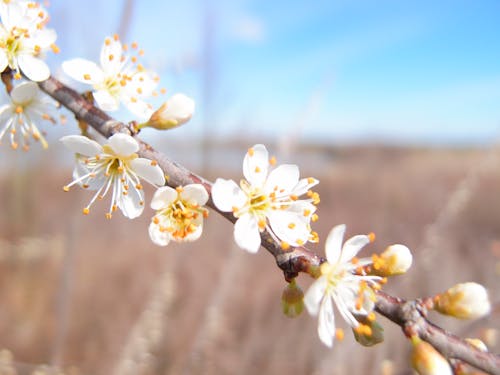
x=77 y=291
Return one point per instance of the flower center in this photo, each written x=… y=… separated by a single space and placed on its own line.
x=180 y=219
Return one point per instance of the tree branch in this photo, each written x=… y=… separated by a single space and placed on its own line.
x=409 y=315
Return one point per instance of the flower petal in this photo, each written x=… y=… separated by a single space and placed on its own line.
x=326 y=322
x=284 y=177
x=246 y=233
x=255 y=165
x=193 y=236
x=314 y=294
x=34 y=68
x=149 y=171
x=83 y=71
x=289 y=227
x=24 y=92
x=4 y=61
x=81 y=145
x=333 y=243
x=226 y=195
x=131 y=204
x=138 y=107
x=106 y=101
x=157 y=236
x=304 y=185
x=195 y=194
x=123 y=144
x=163 y=197
x=111 y=56
x=352 y=246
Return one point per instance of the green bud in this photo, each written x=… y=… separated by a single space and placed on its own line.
x=292 y=300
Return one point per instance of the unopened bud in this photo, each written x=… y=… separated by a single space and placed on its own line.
x=464 y=301
x=478 y=344
x=395 y=260
x=428 y=361
x=292 y=300
x=174 y=112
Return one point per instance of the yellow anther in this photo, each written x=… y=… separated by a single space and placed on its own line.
x=138 y=187
x=371 y=316
x=314 y=218
x=133 y=59
x=262 y=224
x=37 y=48
x=17 y=75
x=285 y=245
x=163 y=90
x=107 y=41
x=179 y=189
x=291 y=225
x=86 y=211
x=139 y=90
x=156 y=220
x=86 y=76
x=66 y=188
x=257 y=169
x=272 y=161
x=339 y=334
x=114 y=208
x=310 y=180
x=55 y=48
x=108 y=215
x=134 y=45
x=300 y=242
x=19 y=109
x=251 y=151
x=371 y=236
x=116 y=37
x=306 y=212
x=85 y=186
x=111 y=57
x=293 y=197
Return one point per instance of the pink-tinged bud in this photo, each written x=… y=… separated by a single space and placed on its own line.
x=174 y=112
x=292 y=300
x=478 y=344
x=395 y=260
x=428 y=361
x=464 y=301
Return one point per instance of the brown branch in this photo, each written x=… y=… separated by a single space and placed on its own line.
x=410 y=315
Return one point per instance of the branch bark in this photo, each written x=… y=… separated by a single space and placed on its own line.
x=409 y=315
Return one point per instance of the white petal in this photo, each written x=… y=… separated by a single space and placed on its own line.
x=285 y=177
x=326 y=322
x=226 y=195
x=4 y=61
x=352 y=246
x=314 y=294
x=158 y=237
x=151 y=172
x=106 y=101
x=138 y=107
x=111 y=55
x=333 y=244
x=44 y=38
x=83 y=71
x=194 y=235
x=163 y=197
x=24 y=92
x=255 y=165
x=34 y=68
x=246 y=233
x=123 y=144
x=93 y=183
x=304 y=185
x=132 y=204
x=289 y=227
x=81 y=145
x=195 y=193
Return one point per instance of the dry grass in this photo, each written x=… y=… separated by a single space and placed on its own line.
x=72 y=288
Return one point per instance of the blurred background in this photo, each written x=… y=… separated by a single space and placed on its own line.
x=393 y=106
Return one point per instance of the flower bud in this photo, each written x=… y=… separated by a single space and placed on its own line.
x=292 y=300
x=428 y=361
x=463 y=301
x=395 y=260
x=174 y=112
x=478 y=344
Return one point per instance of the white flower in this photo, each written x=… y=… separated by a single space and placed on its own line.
x=180 y=214
x=464 y=301
x=113 y=167
x=268 y=202
x=341 y=283
x=24 y=39
x=174 y=112
x=28 y=107
x=118 y=79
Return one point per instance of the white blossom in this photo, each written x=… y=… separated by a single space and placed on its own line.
x=114 y=167
x=342 y=284
x=24 y=39
x=27 y=108
x=179 y=215
x=268 y=201
x=118 y=79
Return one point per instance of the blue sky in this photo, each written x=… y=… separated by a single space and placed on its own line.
x=335 y=71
